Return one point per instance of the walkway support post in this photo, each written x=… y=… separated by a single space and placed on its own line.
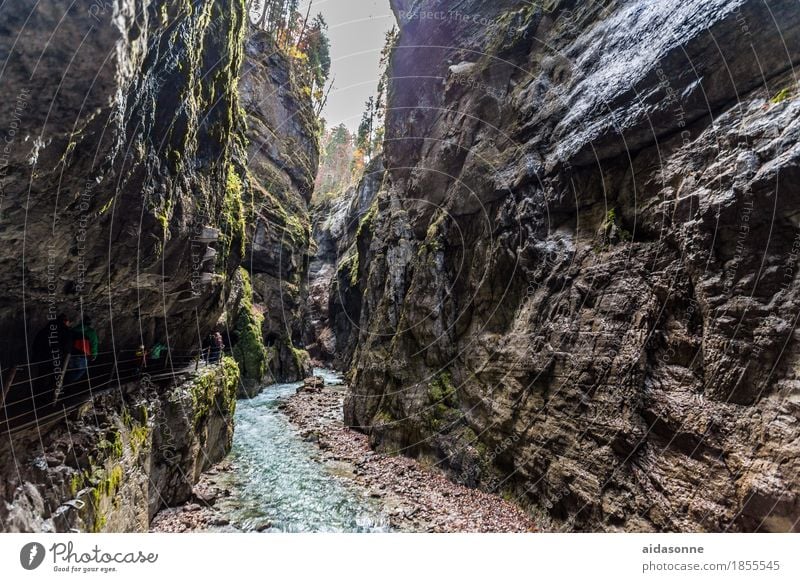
x=60 y=380
x=7 y=381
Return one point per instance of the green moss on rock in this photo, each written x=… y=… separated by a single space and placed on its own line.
x=76 y=483
x=112 y=445
x=215 y=391
x=382 y=417
x=249 y=351
x=232 y=218
x=139 y=437
x=442 y=401
x=432 y=236
x=612 y=229
x=301 y=357
x=782 y=95
x=368 y=219
x=349 y=266
x=102 y=499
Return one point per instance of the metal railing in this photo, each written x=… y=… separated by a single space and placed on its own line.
x=30 y=396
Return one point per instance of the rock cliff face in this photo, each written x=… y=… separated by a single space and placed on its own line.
x=122 y=172
x=122 y=161
x=580 y=282
x=113 y=464
x=334 y=297
x=283 y=156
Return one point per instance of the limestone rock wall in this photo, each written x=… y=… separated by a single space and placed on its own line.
x=283 y=155
x=580 y=287
x=122 y=187
x=334 y=289
x=122 y=163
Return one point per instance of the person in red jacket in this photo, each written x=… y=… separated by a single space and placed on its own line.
x=84 y=349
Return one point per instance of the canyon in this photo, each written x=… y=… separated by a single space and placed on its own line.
x=165 y=200
x=567 y=278
x=577 y=282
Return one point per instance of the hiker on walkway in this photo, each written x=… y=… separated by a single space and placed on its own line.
x=217 y=345
x=84 y=349
x=151 y=358
x=141 y=359
x=156 y=354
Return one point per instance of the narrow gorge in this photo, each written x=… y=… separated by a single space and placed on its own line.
x=575 y=283
x=552 y=287
x=142 y=199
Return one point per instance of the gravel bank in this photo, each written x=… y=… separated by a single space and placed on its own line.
x=416 y=498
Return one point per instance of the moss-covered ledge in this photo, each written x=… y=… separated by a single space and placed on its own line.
x=154 y=456
x=249 y=350
x=213 y=392
x=202 y=412
x=126 y=455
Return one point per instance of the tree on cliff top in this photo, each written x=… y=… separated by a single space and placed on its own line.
x=337 y=151
x=369 y=138
x=304 y=41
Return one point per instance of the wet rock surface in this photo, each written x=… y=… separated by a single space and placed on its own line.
x=120 y=198
x=198 y=514
x=334 y=300
x=109 y=185
x=580 y=284
x=283 y=155
x=571 y=277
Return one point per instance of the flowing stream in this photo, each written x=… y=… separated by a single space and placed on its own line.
x=279 y=484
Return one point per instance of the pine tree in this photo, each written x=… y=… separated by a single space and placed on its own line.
x=370 y=134
x=364 y=139
x=306 y=43
x=334 y=174
x=316 y=45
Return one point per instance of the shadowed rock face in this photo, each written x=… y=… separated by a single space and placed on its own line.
x=125 y=194
x=123 y=140
x=283 y=156
x=334 y=296
x=113 y=464
x=580 y=286
x=122 y=162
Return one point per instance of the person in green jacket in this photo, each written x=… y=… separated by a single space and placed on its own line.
x=84 y=348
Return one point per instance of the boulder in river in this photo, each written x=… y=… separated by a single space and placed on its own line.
x=313 y=384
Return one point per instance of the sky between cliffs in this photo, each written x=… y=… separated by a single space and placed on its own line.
x=357 y=29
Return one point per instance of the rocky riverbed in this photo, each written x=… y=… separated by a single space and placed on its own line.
x=406 y=494
x=416 y=497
